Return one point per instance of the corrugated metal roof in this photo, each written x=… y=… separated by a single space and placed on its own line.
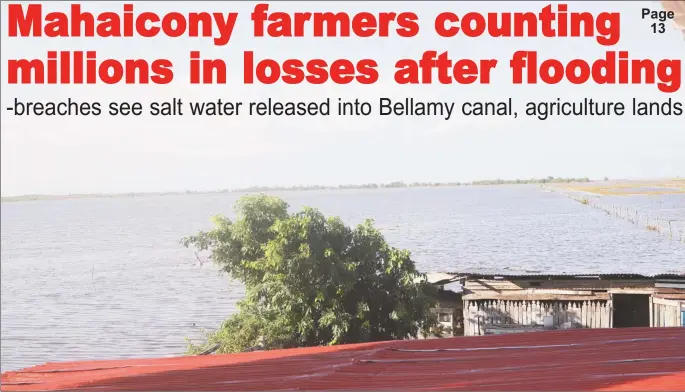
x=582 y=275
x=599 y=359
x=439 y=277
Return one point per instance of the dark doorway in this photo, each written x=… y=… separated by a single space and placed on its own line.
x=631 y=310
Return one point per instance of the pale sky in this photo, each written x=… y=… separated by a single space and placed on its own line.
x=59 y=155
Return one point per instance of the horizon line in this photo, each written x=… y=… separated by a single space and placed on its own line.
x=271 y=188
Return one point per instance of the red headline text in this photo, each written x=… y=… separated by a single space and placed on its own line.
x=527 y=66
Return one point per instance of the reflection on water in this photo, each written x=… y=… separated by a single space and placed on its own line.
x=106 y=278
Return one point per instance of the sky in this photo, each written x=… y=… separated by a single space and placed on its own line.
x=62 y=155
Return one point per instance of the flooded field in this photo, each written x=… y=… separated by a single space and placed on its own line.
x=656 y=205
x=106 y=278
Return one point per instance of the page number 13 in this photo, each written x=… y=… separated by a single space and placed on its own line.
x=658 y=28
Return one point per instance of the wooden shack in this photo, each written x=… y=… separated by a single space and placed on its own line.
x=500 y=302
x=448 y=309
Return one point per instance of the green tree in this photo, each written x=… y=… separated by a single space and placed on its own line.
x=310 y=280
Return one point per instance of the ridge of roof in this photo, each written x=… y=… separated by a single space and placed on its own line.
x=675 y=275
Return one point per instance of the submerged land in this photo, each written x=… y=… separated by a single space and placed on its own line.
x=584 y=185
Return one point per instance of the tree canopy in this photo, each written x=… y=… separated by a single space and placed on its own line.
x=310 y=280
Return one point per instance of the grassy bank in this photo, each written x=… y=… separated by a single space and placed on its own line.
x=631 y=187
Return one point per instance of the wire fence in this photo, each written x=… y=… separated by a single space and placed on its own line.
x=673 y=228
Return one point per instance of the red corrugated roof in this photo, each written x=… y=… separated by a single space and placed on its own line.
x=599 y=359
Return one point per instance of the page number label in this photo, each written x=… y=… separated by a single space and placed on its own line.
x=659 y=18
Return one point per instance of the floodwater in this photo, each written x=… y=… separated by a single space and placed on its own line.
x=106 y=278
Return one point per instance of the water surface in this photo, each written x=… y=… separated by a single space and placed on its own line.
x=106 y=278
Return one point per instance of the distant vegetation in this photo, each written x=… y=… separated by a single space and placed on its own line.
x=395 y=184
x=310 y=280
x=402 y=184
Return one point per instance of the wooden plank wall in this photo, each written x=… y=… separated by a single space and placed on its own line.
x=580 y=314
x=666 y=313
